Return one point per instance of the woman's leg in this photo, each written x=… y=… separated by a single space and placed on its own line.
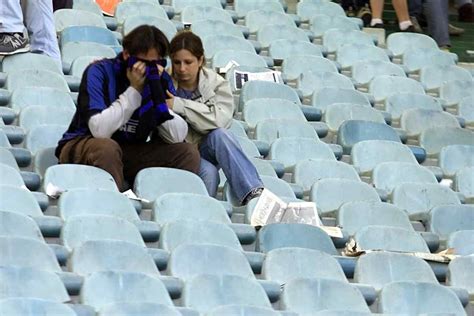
x=401 y=9
x=221 y=148
x=377 y=9
x=210 y=176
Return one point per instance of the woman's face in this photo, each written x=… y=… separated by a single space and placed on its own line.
x=186 y=67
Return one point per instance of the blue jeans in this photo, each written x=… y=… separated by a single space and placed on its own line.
x=220 y=149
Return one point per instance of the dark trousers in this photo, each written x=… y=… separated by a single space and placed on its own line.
x=124 y=161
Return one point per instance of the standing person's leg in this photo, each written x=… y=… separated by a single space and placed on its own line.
x=159 y=154
x=401 y=9
x=210 y=176
x=465 y=10
x=221 y=148
x=11 y=28
x=103 y=153
x=436 y=12
x=40 y=24
x=377 y=9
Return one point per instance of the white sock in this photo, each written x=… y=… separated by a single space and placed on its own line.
x=404 y=25
x=375 y=21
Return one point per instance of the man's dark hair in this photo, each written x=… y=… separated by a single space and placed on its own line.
x=189 y=41
x=145 y=37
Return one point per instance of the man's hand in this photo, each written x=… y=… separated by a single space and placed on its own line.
x=136 y=75
x=169 y=99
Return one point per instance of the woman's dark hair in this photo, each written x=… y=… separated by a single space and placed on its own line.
x=189 y=41
x=145 y=37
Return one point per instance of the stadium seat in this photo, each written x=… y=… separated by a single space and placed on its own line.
x=447 y=219
x=389 y=238
x=30 y=61
x=108 y=287
x=206 y=292
x=80 y=64
x=32 y=180
x=433 y=77
x=366 y=155
x=27 y=78
x=42 y=284
x=462 y=242
x=333 y=39
x=87 y=33
x=36 y=115
x=293 y=66
x=387 y=175
x=44 y=135
x=211 y=10
x=434 y=139
x=309 y=171
x=180 y=5
x=256 y=19
x=279 y=235
x=260 y=109
x=127 y=9
x=308 y=9
x=14 y=224
x=19 y=200
x=204 y=28
x=25 y=306
x=352 y=132
x=151 y=183
x=139 y=308
x=73 y=176
x=461 y=273
x=456 y=90
x=81 y=228
x=291 y=150
x=10 y=176
x=265 y=168
x=381 y=268
x=102 y=255
x=418 y=298
x=419 y=198
x=64 y=18
x=338 y=113
x=284 y=264
x=27 y=253
x=466 y=109
x=382 y=87
x=310 y=82
x=50 y=96
x=325 y=97
x=242 y=310
x=396 y=104
x=242 y=7
x=319 y=24
x=306 y=296
x=364 y=71
x=283 y=48
x=464 y=183
x=400 y=42
x=22 y=156
x=453 y=158
x=249 y=147
x=215 y=43
x=223 y=57
x=415 y=121
x=416 y=58
x=353 y=216
x=271 y=129
x=348 y=54
x=330 y=194
x=162 y=23
x=267 y=34
x=44 y=158
x=189 y=260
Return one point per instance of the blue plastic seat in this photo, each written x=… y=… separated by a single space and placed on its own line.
x=323 y=98
x=162 y=23
x=338 y=113
x=30 y=61
x=453 y=158
x=10 y=176
x=207 y=10
x=19 y=200
x=275 y=236
x=243 y=310
x=319 y=24
x=129 y=8
x=223 y=57
x=269 y=33
x=261 y=109
x=86 y=33
x=382 y=87
x=295 y=65
x=454 y=91
x=447 y=219
x=462 y=242
x=36 y=115
x=283 y=48
x=396 y=104
x=333 y=39
x=307 y=296
x=19 y=225
x=204 y=28
x=466 y=109
x=138 y=308
x=464 y=183
x=416 y=58
x=33 y=306
x=72 y=50
x=434 y=139
x=461 y=273
x=381 y=268
x=353 y=216
x=364 y=71
x=415 y=121
x=44 y=135
x=64 y=18
x=26 y=78
x=310 y=82
x=414 y=298
x=180 y=5
x=215 y=43
x=307 y=9
x=433 y=77
x=108 y=287
x=242 y=7
x=400 y=42
x=272 y=129
x=349 y=54
x=256 y=19
x=389 y=238
x=50 y=96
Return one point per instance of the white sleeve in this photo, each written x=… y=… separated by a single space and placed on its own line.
x=174 y=130
x=107 y=122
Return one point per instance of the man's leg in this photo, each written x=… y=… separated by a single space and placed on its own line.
x=210 y=176
x=221 y=148
x=103 y=153
x=11 y=28
x=159 y=154
x=40 y=24
x=436 y=12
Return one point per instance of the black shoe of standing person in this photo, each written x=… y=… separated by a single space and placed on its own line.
x=365 y=15
x=13 y=43
x=410 y=29
x=466 y=13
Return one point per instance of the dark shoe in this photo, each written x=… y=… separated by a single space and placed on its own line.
x=410 y=29
x=377 y=26
x=466 y=13
x=416 y=25
x=365 y=15
x=251 y=195
x=13 y=43
x=455 y=31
